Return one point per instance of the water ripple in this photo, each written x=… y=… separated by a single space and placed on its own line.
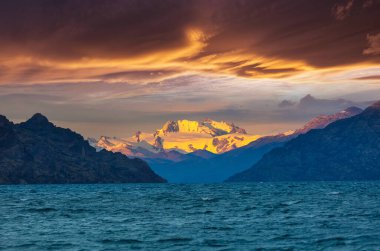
x=258 y=216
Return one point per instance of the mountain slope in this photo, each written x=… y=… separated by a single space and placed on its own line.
x=348 y=149
x=322 y=121
x=219 y=167
x=196 y=169
x=36 y=151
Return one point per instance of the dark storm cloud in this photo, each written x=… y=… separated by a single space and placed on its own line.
x=297 y=30
x=68 y=29
x=282 y=29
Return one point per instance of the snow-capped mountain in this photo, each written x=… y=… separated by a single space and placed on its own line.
x=322 y=121
x=184 y=136
x=208 y=126
x=180 y=137
x=224 y=165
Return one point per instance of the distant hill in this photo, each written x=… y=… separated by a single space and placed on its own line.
x=37 y=151
x=348 y=149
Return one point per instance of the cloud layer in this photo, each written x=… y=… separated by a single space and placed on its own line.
x=119 y=109
x=114 y=67
x=141 y=40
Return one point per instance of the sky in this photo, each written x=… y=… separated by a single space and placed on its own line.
x=115 y=67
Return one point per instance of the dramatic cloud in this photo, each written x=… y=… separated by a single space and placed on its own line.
x=121 y=40
x=118 y=109
x=113 y=67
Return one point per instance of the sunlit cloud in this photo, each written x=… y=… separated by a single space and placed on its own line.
x=120 y=66
x=144 y=41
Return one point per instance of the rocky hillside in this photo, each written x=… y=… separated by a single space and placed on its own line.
x=348 y=149
x=37 y=151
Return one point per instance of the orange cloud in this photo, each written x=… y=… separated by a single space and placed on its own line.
x=140 y=41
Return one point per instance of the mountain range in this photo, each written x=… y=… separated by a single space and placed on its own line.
x=340 y=146
x=36 y=151
x=181 y=136
x=201 y=166
x=347 y=149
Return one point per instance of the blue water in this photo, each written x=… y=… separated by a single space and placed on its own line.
x=264 y=216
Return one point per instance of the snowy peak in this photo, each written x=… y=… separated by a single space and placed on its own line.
x=322 y=121
x=170 y=126
x=105 y=142
x=353 y=110
x=181 y=136
x=208 y=126
x=205 y=137
x=223 y=126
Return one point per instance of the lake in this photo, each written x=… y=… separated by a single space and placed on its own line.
x=263 y=216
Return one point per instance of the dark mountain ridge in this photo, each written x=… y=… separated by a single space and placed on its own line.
x=36 y=151
x=348 y=149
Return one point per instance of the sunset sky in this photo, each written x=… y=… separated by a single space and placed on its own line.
x=115 y=67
